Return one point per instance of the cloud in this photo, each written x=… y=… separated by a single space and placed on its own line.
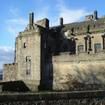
x=14 y=11
x=42 y=13
x=16 y=23
x=70 y=15
x=6 y=55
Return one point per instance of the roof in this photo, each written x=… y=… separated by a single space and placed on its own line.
x=81 y=27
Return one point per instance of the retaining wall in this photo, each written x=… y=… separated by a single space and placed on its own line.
x=54 y=98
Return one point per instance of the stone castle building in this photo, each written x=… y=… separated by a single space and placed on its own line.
x=64 y=57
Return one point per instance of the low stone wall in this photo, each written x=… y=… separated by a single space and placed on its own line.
x=82 y=72
x=10 y=72
x=54 y=98
x=82 y=57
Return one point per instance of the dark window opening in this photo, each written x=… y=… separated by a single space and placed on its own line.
x=90 y=47
x=103 y=38
x=28 y=65
x=28 y=72
x=85 y=44
x=24 y=45
x=72 y=46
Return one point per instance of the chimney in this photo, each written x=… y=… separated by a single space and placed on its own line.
x=44 y=23
x=61 y=21
x=47 y=23
x=31 y=19
x=95 y=16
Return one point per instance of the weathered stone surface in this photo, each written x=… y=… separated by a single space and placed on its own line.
x=83 y=66
x=28 y=57
x=10 y=72
x=54 y=98
x=79 y=72
x=44 y=23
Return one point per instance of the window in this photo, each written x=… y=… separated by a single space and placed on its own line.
x=28 y=65
x=97 y=47
x=80 y=48
x=24 y=45
x=28 y=72
x=103 y=38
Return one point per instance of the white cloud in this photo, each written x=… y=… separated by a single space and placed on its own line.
x=6 y=49
x=42 y=13
x=6 y=55
x=70 y=15
x=16 y=23
x=14 y=11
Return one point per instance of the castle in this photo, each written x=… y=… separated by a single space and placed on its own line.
x=64 y=57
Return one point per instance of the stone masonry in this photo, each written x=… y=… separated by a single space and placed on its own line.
x=27 y=57
x=64 y=57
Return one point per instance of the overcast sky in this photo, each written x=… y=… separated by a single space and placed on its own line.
x=14 y=17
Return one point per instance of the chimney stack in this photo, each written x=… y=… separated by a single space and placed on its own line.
x=61 y=21
x=95 y=16
x=31 y=19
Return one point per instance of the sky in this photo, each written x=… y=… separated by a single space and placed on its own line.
x=14 y=18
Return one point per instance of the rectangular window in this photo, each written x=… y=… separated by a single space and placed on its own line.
x=24 y=45
x=80 y=48
x=97 y=47
x=28 y=65
x=103 y=42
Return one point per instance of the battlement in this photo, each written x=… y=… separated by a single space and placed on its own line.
x=10 y=64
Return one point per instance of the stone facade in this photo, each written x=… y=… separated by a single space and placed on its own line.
x=10 y=72
x=28 y=55
x=54 y=98
x=85 y=69
x=79 y=72
x=60 y=56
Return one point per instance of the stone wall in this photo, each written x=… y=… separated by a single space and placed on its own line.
x=10 y=72
x=96 y=38
x=28 y=53
x=44 y=23
x=82 y=72
x=54 y=98
x=81 y=57
x=81 y=27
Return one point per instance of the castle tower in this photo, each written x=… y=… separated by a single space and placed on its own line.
x=28 y=54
